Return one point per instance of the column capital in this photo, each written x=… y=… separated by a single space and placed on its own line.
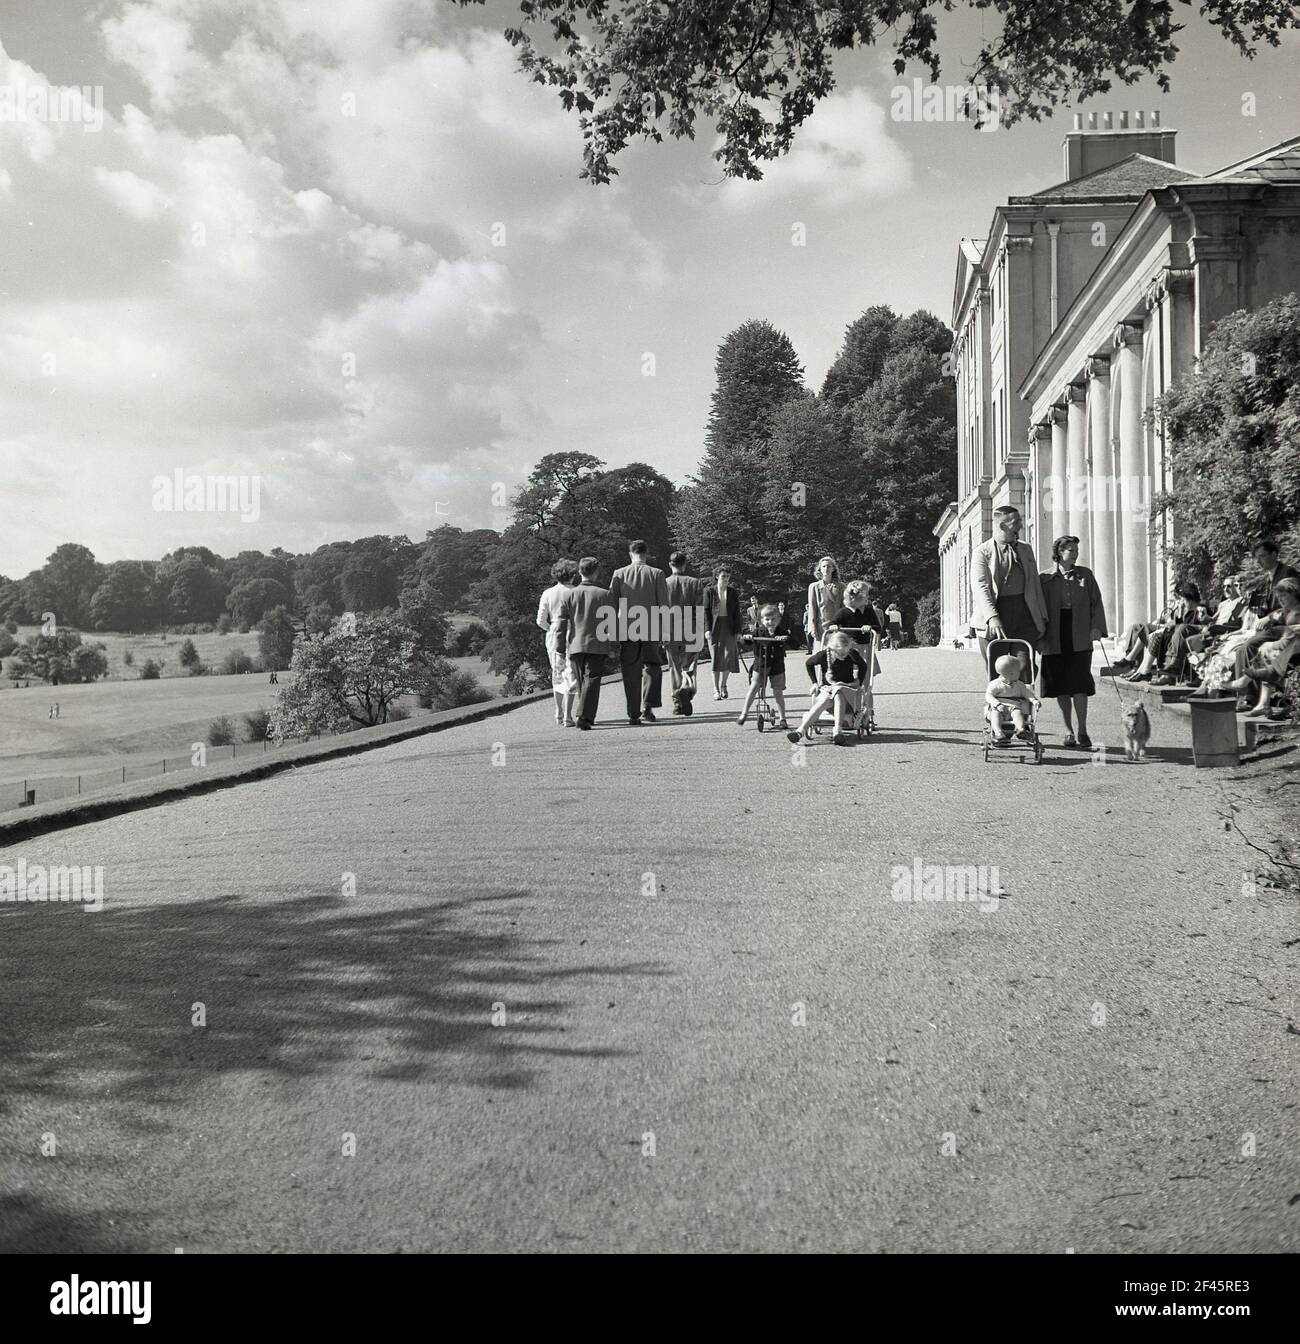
x=1171 y=280
x=1040 y=432
x=1126 y=333
x=1098 y=366
x=1057 y=415
x=1018 y=242
x=1073 y=394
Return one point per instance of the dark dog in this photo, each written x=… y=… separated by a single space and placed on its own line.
x=683 y=696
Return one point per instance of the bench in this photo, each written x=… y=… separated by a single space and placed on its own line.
x=1215 y=739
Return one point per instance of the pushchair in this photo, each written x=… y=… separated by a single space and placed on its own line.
x=997 y=728
x=864 y=716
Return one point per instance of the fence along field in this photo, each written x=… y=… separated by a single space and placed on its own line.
x=110 y=725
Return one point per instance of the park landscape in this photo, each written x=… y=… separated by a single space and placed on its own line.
x=125 y=722
x=380 y=327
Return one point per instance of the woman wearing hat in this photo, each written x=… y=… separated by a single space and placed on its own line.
x=1075 y=618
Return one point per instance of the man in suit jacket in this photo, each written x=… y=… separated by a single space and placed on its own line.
x=640 y=594
x=1271 y=566
x=685 y=595
x=588 y=615
x=1005 y=587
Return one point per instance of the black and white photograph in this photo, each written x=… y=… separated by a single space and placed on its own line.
x=649 y=627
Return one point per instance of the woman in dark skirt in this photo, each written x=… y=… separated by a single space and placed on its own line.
x=722 y=621
x=1075 y=618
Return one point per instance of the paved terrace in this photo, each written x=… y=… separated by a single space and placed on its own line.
x=1092 y=1054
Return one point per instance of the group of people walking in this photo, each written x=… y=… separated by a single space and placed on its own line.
x=647 y=619
x=1058 y=612
x=701 y=617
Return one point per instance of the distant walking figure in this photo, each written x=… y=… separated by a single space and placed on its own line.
x=564 y=680
x=686 y=594
x=640 y=595
x=722 y=617
x=586 y=611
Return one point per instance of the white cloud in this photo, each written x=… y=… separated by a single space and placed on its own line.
x=842 y=155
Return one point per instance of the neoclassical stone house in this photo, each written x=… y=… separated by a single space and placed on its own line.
x=1081 y=307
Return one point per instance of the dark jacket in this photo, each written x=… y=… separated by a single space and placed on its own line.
x=1265 y=596
x=1088 y=612
x=712 y=610
x=584 y=610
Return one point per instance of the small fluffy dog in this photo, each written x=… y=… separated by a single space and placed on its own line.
x=1137 y=732
x=957 y=644
x=683 y=696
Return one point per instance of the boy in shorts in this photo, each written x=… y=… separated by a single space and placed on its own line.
x=769 y=660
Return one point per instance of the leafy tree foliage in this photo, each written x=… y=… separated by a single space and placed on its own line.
x=253 y=598
x=60 y=658
x=275 y=638
x=453 y=561
x=904 y=429
x=757 y=69
x=127 y=597
x=13 y=602
x=221 y=732
x=64 y=585
x=722 y=514
x=368 y=582
x=1232 y=426
x=195 y=590
x=860 y=472
x=569 y=507
x=344 y=679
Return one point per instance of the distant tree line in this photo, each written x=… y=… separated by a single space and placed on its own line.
x=859 y=470
x=194 y=586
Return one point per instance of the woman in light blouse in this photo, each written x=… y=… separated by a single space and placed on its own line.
x=563 y=681
x=1075 y=618
x=825 y=598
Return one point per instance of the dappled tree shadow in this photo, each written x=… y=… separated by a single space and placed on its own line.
x=97 y=1007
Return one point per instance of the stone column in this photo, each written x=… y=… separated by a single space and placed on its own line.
x=1102 y=494
x=1076 y=448
x=1060 y=501
x=1040 y=477
x=1134 y=539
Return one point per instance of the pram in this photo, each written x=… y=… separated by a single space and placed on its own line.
x=994 y=736
x=864 y=716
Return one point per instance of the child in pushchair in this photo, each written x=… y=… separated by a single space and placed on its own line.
x=1009 y=702
x=843 y=681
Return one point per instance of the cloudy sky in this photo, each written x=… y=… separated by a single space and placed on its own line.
x=341 y=245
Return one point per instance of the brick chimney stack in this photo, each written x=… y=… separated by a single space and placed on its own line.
x=1089 y=149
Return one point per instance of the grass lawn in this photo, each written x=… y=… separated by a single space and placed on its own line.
x=107 y=723
x=165 y=649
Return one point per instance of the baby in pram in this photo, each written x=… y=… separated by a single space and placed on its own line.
x=1008 y=697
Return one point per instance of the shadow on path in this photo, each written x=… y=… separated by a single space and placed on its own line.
x=98 y=1007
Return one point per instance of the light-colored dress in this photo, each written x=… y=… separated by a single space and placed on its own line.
x=824 y=600
x=563 y=677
